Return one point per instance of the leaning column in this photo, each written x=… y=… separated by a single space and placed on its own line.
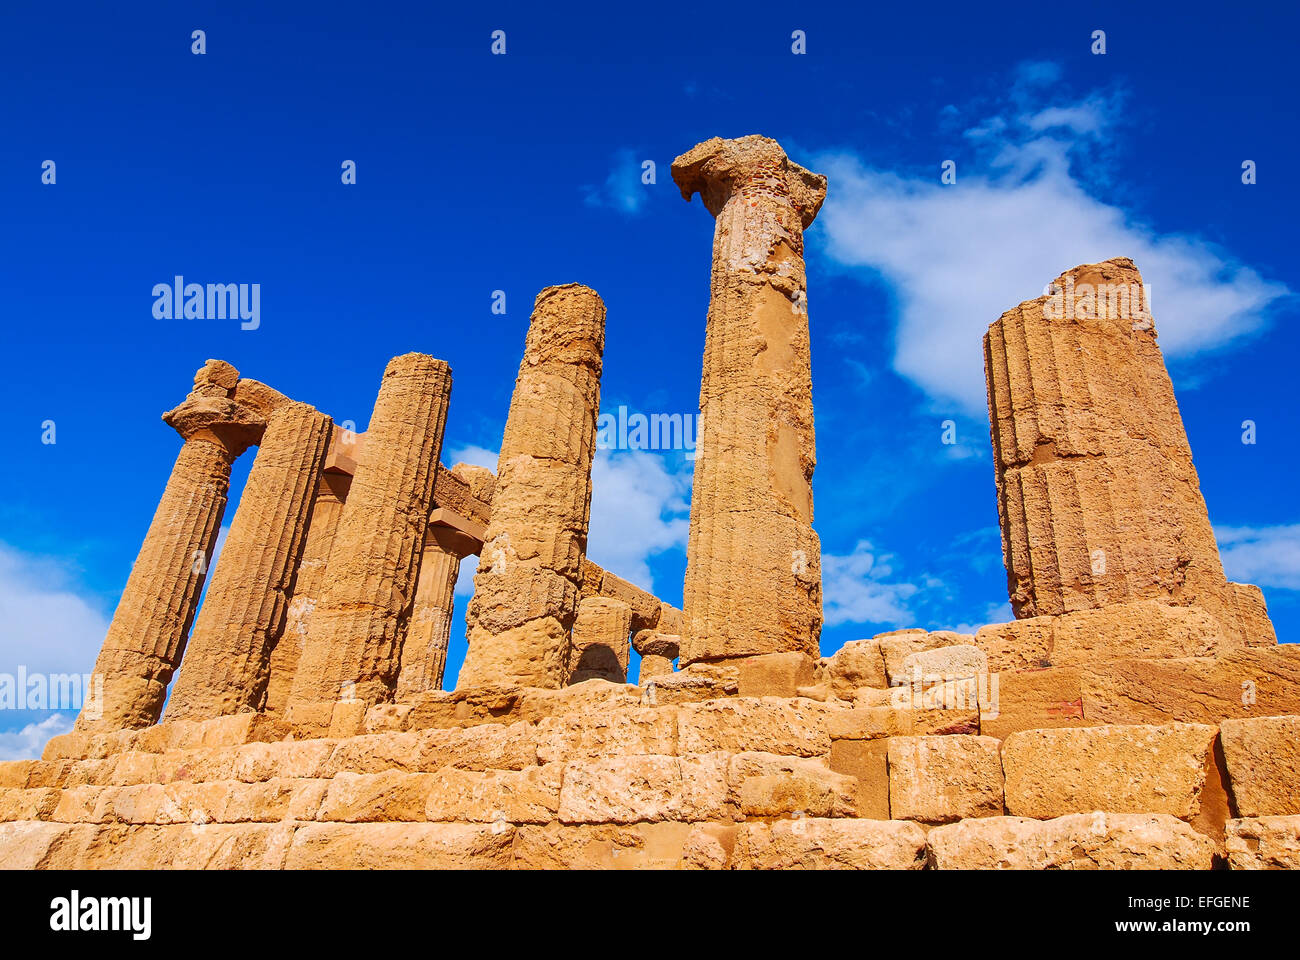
x=307 y=585
x=1098 y=498
x=753 y=562
x=530 y=569
x=228 y=664
x=147 y=637
x=352 y=646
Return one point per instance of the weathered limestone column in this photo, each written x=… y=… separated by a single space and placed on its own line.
x=601 y=645
x=424 y=651
x=530 y=569
x=1098 y=499
x=353 y=646
x=147 y=637
x=753 y=575
x=331 y=493
x=228 y=664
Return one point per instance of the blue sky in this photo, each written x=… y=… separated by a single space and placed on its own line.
x=478 y=173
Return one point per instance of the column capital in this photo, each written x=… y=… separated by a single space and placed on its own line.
x=751 y=166
x=215 y=408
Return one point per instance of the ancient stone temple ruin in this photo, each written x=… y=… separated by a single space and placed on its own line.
x=1138 y=712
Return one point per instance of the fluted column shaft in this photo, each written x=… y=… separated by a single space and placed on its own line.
x=228 y=664
x=353 y=643
x=147 y=637
x=753 y=577
x=424 y=652
x=331 y=493
x=1098 y=499
x=530 y=570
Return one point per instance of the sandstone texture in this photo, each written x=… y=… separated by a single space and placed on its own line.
x=753 y=577
x=530 y=571
x=1138 y=712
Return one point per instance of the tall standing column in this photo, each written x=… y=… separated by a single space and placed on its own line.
x=228 y=664
x=331 y=493
x=146 y=640
x=424 y=651
x=1098 y=499
x=753 y=574
x=353 y=643
x=530 y=569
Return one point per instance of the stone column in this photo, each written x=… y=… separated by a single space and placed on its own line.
x=601 y=643
x=424 y=651
x=228 y=665
x=753 y=575
x=1098 y=499
x=147 y=637
x=658 y=651
x=353 y=644
x=530 y=569
x=307 y=585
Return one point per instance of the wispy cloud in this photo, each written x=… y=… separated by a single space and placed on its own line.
x=27 y=743
x=622 y=190
x=1266 y=556
x=640 y=508
x=1021 y=212
x=857 y=587
x=47 y=624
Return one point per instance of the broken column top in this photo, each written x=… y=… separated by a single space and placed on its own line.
x=567 y=327
x=212 y=408
x=1108 y=290
x=717 y=168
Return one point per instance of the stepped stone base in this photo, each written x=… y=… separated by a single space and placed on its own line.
x=1122 y=763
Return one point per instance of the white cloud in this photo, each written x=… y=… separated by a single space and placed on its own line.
x=856 y=589
x=27 y=743
x=639 y=509
x=475 y=456
x=46 y=625
x=622 y=190
x=958 y=256
x=999 y=612
x=1266 y=556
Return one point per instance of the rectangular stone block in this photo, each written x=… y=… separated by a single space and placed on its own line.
x=1094 y=841
x=32 y=846
x=942 y=779
x=638 y=846
x=868 y=762
x=815 y=844
x=1117 y=769
x=620 y=732
x=645 y=788
x=214 y=846
x=1263 y=761
x=859 y=663
x=769 y=785
x=1264 y=843
x=404 y=846
x=1263 y=682
x=791 y=727
x=1034 y=700
x=872 y=723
